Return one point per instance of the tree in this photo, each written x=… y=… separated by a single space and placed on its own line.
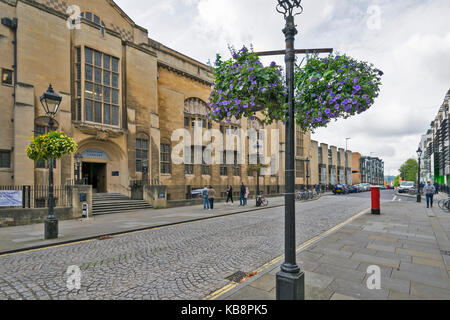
x=408 y=171
x=397 y=181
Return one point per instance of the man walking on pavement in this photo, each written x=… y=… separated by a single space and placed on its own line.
x=205 y=198
x=242 y=197
x=230 y=194
x=429 y=191
x=211 y=197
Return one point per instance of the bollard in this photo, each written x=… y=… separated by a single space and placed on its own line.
x=376 y=200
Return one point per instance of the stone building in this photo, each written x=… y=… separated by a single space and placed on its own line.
x=123 y=97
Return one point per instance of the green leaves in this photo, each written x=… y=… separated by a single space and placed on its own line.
x=52 y=145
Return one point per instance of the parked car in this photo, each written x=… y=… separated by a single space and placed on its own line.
x=354 y=189
x=406 y=187
x=339 y=189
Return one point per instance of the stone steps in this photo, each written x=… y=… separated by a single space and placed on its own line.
x=114 y=203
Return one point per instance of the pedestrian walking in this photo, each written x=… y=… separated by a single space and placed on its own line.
x=429 y=192
x=317 y=189
x=230 y=194
x=205 y=198
x=242 y=195
x=436 y=187
x=247 y=193
x=211 y=197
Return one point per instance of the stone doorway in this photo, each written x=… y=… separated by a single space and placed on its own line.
x=95 y=174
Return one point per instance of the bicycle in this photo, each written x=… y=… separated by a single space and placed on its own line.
x=444 y=204
x=261 y=201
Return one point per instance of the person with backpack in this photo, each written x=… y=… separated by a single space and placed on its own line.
x=211 y=197
x=205 y=198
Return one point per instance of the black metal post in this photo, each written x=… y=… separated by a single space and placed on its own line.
x=51 y=223
x=258 y=203
x=419 y=194
x=290 y=280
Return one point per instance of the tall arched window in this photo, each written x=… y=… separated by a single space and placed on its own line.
x=165 y=162
x=142 y=148
x=195 y=115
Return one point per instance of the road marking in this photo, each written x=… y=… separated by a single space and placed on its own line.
x=395 y=198
x=229 y=287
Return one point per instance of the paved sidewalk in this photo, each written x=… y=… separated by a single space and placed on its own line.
x=408 y=242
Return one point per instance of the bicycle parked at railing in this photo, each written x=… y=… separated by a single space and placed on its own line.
x=261 y=201
x=444 y=204
x=304 y=195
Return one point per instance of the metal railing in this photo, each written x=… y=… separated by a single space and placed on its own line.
x=37 y=196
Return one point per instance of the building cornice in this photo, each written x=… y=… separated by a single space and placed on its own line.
x=137 y=47
x=183 y=73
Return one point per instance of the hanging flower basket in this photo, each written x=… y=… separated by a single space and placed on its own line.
x=334 y=87
x=252 y=168
x=243 y=87
x=52 y=145
x=325 y=89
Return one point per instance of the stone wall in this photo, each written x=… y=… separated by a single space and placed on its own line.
x=19 y=217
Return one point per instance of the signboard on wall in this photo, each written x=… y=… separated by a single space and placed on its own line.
x=95 y=154
x=10 y=198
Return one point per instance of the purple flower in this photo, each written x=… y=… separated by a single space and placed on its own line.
x=273 y=64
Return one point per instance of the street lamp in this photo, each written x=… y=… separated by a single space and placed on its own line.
x=257 y=145
x=307 y=173
x=51 y=101
x=290 y=280
x=419 y=196
x=78 y=160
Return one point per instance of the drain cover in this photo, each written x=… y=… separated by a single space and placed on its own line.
x=237 y=276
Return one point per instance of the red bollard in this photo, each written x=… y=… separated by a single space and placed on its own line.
x=376 y=200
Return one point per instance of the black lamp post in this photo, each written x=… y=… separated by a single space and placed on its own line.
x=290 y=280
x=307 y=172
x=258 y=203
x=78 y=159
x=419 y=195
x=51 y=101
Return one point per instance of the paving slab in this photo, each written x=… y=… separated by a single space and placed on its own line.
x=317 y=280
x=358 y=290
x=428 y=292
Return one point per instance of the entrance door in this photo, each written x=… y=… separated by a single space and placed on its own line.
x=95 y=173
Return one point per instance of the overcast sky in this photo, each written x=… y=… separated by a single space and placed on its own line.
x=408 y=39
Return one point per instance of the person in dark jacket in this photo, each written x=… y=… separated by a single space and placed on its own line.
x=242 y=196
x=230 y=194
x=436 y=187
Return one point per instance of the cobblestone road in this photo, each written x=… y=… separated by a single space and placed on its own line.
x=187 y=261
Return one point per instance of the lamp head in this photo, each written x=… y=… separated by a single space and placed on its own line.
x=50 y=101
x=289 y=7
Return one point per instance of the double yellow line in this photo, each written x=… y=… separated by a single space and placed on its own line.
x=231 y=286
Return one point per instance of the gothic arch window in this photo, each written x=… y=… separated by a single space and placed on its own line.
x=195 y=114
